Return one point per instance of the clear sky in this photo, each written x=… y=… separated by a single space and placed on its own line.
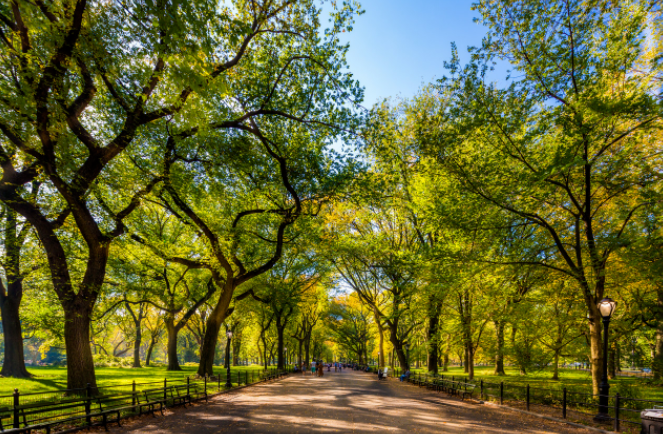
x=399 y=45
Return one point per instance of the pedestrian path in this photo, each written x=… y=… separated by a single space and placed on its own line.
x=343 y=402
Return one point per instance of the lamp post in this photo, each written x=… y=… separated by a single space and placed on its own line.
x=285 y=356
x=229 y=334
x=606 y=308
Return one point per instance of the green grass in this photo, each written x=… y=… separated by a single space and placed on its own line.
x=570 y=378
x=52 y=378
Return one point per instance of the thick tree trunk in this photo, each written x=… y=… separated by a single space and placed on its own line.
x=499 y=354
x=280 y=364
x=214 y=322
x=381 y=336
x=14 y=362
x=148 y=356
x=398 y=348
x=556 y=366
x=612 y=365
x=657 y=361
x=299 y=352
x=445 y=358
x=80 y=366
x=237 y=347
x=595 y=349
x=173 y=363
x=432 y=344
x=137 y=343
x=307 y=350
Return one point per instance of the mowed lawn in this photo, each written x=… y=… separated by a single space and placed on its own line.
x=575 y=380
x=52 y=378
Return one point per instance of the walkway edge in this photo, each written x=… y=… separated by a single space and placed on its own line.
x=542 y=416
x=551 y=418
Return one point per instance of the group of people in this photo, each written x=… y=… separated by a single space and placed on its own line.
x=318 y=368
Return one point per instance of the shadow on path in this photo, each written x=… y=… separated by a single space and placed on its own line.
x=345 y=402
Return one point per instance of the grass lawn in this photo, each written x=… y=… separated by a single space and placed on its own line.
x=51 y=378
x=570 y=378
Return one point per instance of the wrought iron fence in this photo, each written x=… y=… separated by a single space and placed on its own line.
x=79 y=407
x=567 y=403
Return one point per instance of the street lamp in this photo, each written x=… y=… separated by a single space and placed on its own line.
x=606 y=308
x=229 y=334
x=285 y=356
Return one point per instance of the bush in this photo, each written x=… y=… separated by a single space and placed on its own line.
x=105 y=361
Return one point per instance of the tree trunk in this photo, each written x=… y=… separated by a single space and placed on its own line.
x=299 y=352
x=499 y=355
x=80 y=366
x=612 y=365
x=173 y=363
x=556 y=366
x=307 y=349
x=148 y=356
x=237 y=347
x=376 y=314
x=657 y=362
x=398 y=348
x=216 y=318
x=595 y=348
x=280 y=364
x=432 y=344
x=137 y=343
x=445 y=358
x=14 y=362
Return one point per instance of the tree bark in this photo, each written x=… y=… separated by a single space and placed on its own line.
x=148 y=355
x=214 y=322
x=10 y=298
x=137 y=343
x=499 y=355
x=657 y=362
x=398 y=347
x=172 y=330
x=556 y=366
x=612 y=365
x=595 y=348
x=280 y=364
x=14 y=362
x=80 y=366
x=432 y=344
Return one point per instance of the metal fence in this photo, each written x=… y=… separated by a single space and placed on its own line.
x=566 y=403
x=22 y=410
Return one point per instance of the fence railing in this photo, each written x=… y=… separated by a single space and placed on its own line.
x=77 y=407
x=623 y=412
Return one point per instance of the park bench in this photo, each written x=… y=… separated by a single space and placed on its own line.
x=35 y=416
x=152 y=398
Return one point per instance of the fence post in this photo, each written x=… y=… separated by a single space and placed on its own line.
x=218 y=385
x=133 y=393
x=481 y=389
x=616 y=427
x=528 y=397
x=188 y=381
x=165 y=393
x=88 y=401
x=564 y=404
x=501 y=392
x=16 y=404
x=205 y=385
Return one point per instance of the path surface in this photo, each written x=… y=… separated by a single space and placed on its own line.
x=347 y=402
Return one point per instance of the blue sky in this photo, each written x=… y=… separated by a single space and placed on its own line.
x=397 y=46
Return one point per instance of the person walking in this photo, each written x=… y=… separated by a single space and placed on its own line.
x=313 y=368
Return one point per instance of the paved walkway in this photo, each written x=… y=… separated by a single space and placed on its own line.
x=347 y=402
